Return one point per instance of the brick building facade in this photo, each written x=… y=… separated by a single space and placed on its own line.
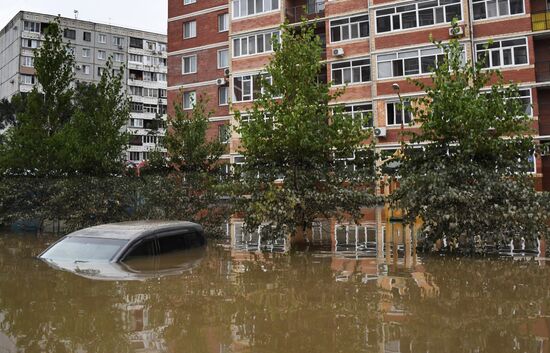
x=216 y=47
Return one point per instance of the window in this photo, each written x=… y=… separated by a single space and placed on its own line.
x=349 y=28
x=69 y=33
x=31 y=26
x=86 y=52
x=101 y=54
x=27 y=79
x=425 y=13
x=508 y=52
x=150 y=108
x=189 y=65
x=135 y=58
x=136 y=91
x=136 y=122
x=224 y=133
x=362 y=112
x=102 y=38
x=190 y=29
x=136 y=107
x=188 y=2
x=223 y=22
x=27 y=61
x=248 y=87
x=223 y=58
x=161 y=77
x=354 y=71
x=150 y=92
x=163 y=93
x=100 y=71
x=525 y=97
x=86 y=69
x=29 y=43
x=119 y=57
x=136 y=43
x=118 y=42
x=496 y=8
x=223 y=95
x=87 y=36
x=410 y=62
x=189 y=100
x=254 y=44
x=396 y=113
x=242 y=8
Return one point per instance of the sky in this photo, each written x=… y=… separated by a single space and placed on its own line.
x=148 y=15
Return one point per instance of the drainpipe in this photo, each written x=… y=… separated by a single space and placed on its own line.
x=471 y=28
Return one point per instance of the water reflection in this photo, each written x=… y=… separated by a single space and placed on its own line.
x=235 y=300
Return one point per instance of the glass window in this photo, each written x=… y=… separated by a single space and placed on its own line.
x=189 y=100
x=188 y=2
x=243 y=8
x=85 y=249
x=254 y=44
x=223 y=58
x=189 y=64
x=102 y=38
x=223 y=95
x=87 y=36
x=508 y=52
x=354 y=71
x=496 y=8
x=397 y=114
x=190 y=29
x=223 y=22
x=69 y=33
x=425 y=13
x=349 y=28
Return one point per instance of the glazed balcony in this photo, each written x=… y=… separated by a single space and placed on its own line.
x=308 y=10
x=540 y=21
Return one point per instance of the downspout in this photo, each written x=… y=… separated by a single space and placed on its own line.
x=471 y=28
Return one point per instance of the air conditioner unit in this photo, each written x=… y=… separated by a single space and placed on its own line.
x=380 y=131
x=79 y=67
x=12 y=81
x=459 y=31
x=221 y=81
x=226 y=72
x=338 y=52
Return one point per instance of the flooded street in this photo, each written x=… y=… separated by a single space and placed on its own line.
x=233 y=300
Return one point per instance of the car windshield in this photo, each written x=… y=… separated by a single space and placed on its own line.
x=84 y=249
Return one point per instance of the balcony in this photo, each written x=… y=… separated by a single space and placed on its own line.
x=540 y=21
x=311 y=10
x=542 y=71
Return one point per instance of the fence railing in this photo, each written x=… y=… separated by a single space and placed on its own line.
x=540 y=21
x=309 y=11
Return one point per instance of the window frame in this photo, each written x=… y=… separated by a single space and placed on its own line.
x=226 y=50
x=349 y=26
x=484 y=2
x=423 y=52
x=88 y=51
x=255 y=13
x=396 y=103
x=226 y=89
x=351 y=67
x=250 y=79
x=25 y=59
x=353 y=112
x=192 y=100
x=269 y=34
x=193 y=29
x=501 y=49
x=189 y=2
x=192 y=60
x=223 y=19
x=416 y=10
x=101 y=57
x=100 y=36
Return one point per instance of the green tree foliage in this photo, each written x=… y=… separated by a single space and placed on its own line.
x=186 y=185
x=95 y=141
x=465 y=173
x=293 y=140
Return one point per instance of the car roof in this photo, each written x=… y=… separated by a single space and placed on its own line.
x=134 y=230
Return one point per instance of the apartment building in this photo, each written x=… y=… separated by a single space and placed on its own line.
x=143 y=54
x=216 y=47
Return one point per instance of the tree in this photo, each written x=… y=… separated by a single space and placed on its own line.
x=33 y=145
x=304 y=157
x=465 y=173
x=95 y=136
x=185 y=186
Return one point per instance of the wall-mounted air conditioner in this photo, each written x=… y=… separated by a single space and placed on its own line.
x=380 y=131
x=221 y=81
x=456 y=32
x=338 y=52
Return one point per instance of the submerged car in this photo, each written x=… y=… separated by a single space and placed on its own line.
x=129 y=250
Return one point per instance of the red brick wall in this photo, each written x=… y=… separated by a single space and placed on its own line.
x=412 y=37
x=207 y=32
x=507 y=25
x=335 y=8
x=271 y=19
x=177 y=8
x=544 y=111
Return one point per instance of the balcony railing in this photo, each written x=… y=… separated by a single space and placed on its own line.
x=540 y=21
x=542 y=71
x=308 y=11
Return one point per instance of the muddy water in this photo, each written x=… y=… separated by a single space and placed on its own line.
x=240 y=301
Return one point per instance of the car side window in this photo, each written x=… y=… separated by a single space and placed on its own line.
x=144 y=248
x=178 y=242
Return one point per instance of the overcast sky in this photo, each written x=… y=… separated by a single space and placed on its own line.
x=149 y=15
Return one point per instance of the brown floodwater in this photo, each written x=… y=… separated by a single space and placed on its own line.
x=228 y=300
